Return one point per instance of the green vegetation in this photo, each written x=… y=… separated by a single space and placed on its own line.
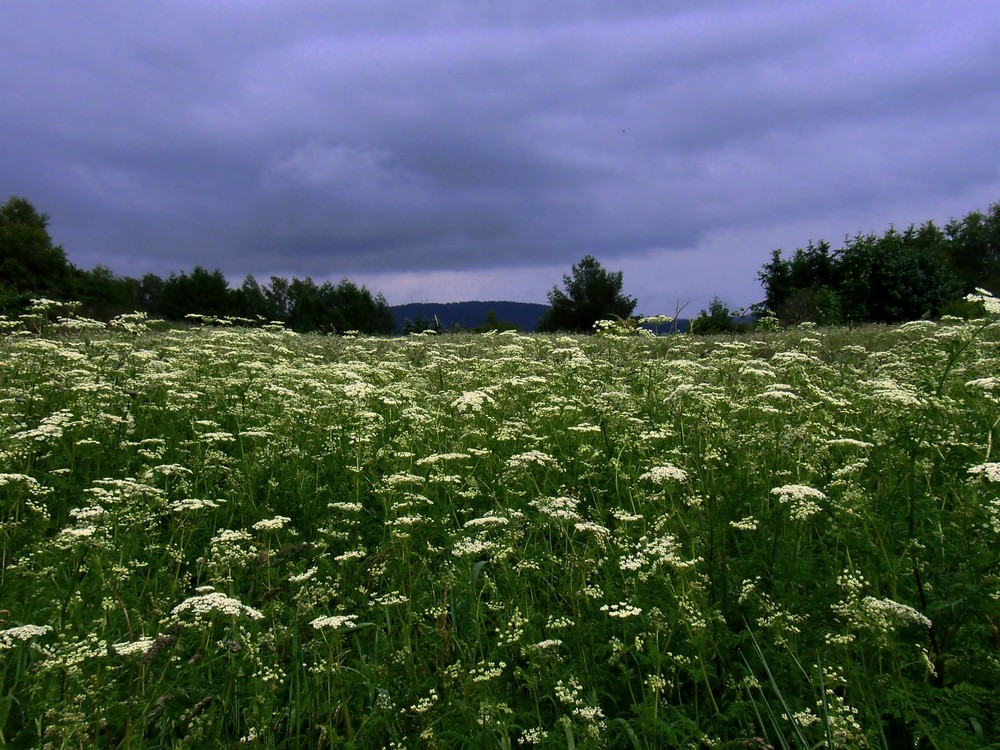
x=493 y=323
x=32 y=267
x=715 y=320
x=221 y=537
x=892 y=278
x=590 y=293
x=920 y=273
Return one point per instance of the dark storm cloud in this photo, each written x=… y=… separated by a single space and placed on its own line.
x=362 y=137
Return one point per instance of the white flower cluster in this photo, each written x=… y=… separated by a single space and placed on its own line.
x=230 y=548
x=84 y=514
x=487 y=671
x=990 y=303
x=533 y=736
x=664 y=474
x=621 y=610
x=423 y=705
x=890 y=393
x=801 y=498
x=334 y=622
x=572 y=696
x=192 y=503
x=22 y=633
x=653 y=552
x=473 y=547
x=487 y=520
x=990 y=471
x=138 y=646
x=887 y=610
x=525 y=460
x=601 y=532
x=271 y=524
x=472 y=401
x=558 y=508
x=548 y=643
x=435 y=458
x=215 y=601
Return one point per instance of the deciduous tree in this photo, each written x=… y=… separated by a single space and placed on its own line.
x=30 y=264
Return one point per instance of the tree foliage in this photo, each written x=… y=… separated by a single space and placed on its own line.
x=887 y=278
x=492 y=322
x=30 y=264
x=590 y=293
x=716 y=319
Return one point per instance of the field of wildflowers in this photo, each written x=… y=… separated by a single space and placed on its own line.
x=221 y=537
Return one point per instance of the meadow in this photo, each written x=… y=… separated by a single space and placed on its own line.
x=246 y=537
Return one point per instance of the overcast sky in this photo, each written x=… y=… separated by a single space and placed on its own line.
x=474 y=149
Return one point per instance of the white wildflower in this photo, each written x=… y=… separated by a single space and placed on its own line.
x=21 y=633
x=271 y=524
x=205 y=604
x=990 y=303
x=989 y=471
x=664 y=474
x=548 y=643
x=524 y=460
x=303 y=577
x=190 y=503
x=128 y=648
x=621 y=610
x=472 y=401
x=334 y=622
x=892 y=610
x=801 y=498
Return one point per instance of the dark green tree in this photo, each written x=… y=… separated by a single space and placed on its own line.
x=202 y=292
x=384 y=320
x=891 y=279
x=305 y=309
x=103 y=294
x=888 y=278
x=352 y=308
x=420 y=325
x=797 y=288
x=492 y=322
x=30 y=264
x=278 y=298
x=972 y=246
x=590 y=293
x=150 y=293
x=250 y=301
x=716 y=319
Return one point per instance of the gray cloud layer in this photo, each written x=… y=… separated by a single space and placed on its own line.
x=371 y=138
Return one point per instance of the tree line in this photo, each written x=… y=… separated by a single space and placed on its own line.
x=920 y=272
x=32 y=266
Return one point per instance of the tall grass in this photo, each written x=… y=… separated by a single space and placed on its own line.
x=219 y=537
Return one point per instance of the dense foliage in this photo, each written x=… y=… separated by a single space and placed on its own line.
x=590 y=293
x=32 y=267
x=891 y=278
x=216 y=536
x=718 y=318
x=30 y=264
x=918 y=273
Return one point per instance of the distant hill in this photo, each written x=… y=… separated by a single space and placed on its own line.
x=470 y=314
